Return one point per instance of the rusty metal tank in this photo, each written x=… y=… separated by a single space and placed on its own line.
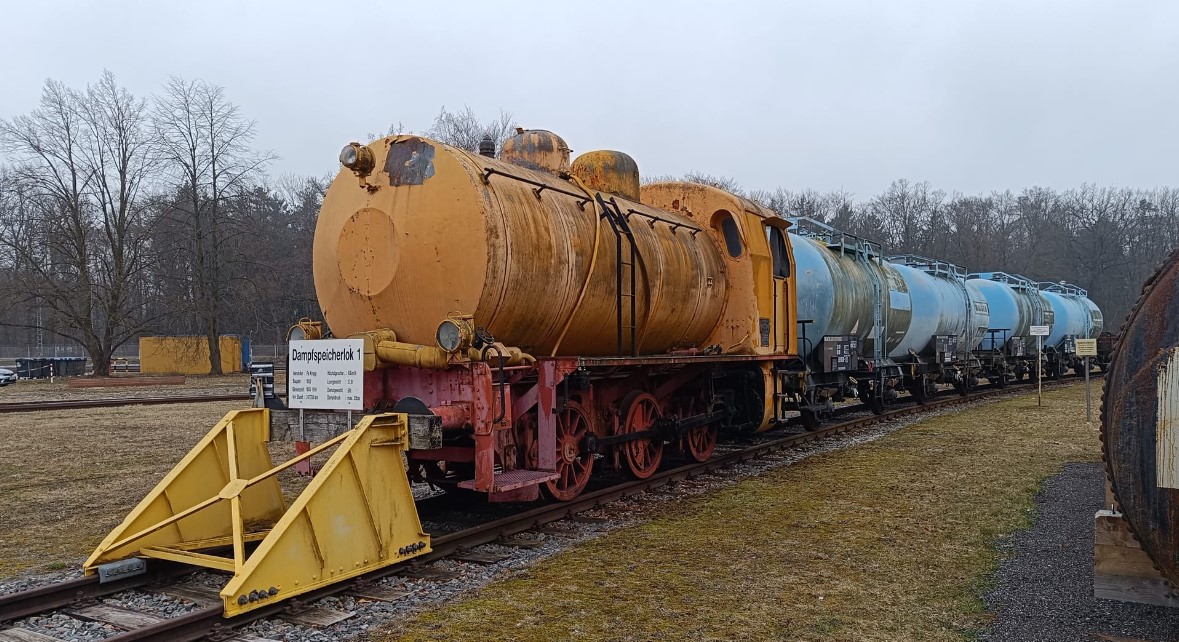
x=417 y=230
x=1140 y=419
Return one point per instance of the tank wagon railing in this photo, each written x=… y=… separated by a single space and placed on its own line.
x=1067 y=289
x=835 y=239
x=1016 y=281
x=930 y=266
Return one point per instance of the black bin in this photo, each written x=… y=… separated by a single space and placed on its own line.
x=40 y=367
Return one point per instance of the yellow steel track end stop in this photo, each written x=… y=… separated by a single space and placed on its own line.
x=356 y=515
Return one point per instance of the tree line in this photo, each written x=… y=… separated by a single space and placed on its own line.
x=1107 y=240
x=123 y=215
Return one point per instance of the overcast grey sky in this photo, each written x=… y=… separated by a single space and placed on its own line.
x=969 y=95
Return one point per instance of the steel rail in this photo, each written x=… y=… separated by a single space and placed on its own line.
x=209 y=622
x=74 y=404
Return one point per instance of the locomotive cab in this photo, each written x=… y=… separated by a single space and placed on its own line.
x=759 y=317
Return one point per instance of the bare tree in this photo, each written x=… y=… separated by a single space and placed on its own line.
x=206 y=143
x=74 y=223
x=464 y=129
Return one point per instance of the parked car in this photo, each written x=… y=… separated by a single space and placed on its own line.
x=7 y=376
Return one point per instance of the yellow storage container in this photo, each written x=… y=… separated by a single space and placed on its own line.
x=187 y=355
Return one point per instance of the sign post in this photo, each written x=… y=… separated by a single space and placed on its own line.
x=1039 y=332
x=1087 y=348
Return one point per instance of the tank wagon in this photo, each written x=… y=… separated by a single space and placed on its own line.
x=888 y=324
x=528 y=320
x=1016 y=304
x=1140 y=420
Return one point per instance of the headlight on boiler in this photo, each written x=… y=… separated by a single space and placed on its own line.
x=454 y=334
x=357 y=158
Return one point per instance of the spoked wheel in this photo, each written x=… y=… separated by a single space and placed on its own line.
x=643 y=456
x=574 y=464
x=698 y=442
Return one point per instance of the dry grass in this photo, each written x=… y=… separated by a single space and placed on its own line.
x=68 y=477
x=893 y=540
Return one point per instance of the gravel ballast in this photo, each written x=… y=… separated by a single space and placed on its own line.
x=1044 y=588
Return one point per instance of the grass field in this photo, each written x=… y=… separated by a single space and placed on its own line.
x=68 y=477
x=893 y=540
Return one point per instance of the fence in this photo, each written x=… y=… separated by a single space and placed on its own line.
x=128 y=352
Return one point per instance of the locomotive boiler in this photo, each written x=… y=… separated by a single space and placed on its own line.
x=512 y=245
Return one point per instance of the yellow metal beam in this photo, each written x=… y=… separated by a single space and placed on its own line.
x=218 y=542
x=189 y=557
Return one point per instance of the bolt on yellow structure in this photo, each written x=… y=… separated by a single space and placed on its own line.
x=356 y=515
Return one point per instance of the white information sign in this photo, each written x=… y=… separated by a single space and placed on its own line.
x=327 y=374
x=1041 y=330
x=1086 y=347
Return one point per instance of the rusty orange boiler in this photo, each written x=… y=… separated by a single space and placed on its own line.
x=420 y=231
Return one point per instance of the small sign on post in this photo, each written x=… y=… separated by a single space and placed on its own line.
x=326 y=374
x=1087 y=348
x=1039 y=332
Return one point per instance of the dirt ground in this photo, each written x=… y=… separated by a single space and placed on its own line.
x=892 y=540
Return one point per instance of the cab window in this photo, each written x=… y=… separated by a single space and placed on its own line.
x=728 y=228
x=778 y=251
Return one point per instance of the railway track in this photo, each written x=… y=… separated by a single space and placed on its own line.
x=74 y=404
x=77 y=597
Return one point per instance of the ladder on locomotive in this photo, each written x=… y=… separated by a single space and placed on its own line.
x=624 y=286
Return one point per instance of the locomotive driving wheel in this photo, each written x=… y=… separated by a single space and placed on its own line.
x=697 y=442
x=643 y=456
x=574 y=463
x=700 y=442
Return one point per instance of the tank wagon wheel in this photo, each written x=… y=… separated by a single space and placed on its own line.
x=574 y=463
x=922 y=390
x=643 y=456
x=810 y=419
